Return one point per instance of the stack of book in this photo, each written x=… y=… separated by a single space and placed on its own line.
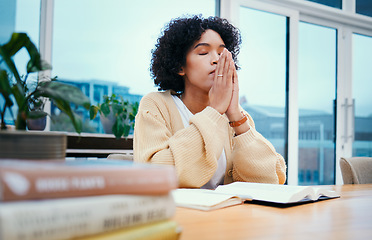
x=86 y=199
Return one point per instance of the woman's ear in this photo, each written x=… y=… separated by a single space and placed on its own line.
x=181 y=72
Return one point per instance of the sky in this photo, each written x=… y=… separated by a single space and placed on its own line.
x=114 y=43
x=113 y=40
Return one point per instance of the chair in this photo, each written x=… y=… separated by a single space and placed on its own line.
x=356 y=170
x=117 y=156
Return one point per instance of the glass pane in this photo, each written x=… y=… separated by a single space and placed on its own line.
x=316 y=94
x=105 y=47
x=19 y=16
x=331 y=3
x=362 y=85
x=364 y=7
x=262 y=77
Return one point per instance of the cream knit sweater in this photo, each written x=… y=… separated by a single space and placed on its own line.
x=160 y=138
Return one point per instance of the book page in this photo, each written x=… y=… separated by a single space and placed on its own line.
x=266 y=192
x=203 y=199
x=325 y=193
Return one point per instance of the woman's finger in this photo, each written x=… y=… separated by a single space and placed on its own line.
x=220 y=65
x=229 y=71
x=235 y=77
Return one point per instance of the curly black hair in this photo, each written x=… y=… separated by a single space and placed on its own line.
x=169 y=54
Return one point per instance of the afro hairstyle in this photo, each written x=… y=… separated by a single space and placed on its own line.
x=169 y=54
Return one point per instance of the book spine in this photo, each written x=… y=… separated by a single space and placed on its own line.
x=77 y=217
x=164 y=230
x=23 y=184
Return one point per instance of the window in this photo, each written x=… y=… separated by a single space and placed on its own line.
x=330 y=3
x=262 y=78
x=19 y=16
x=362 y=85
x=91 y=49
x=316 y=94
x=364 y=7
x=108 y=44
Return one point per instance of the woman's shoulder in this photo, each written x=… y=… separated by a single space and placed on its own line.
x=158 y=99
x=162 y=106
x=157 y=95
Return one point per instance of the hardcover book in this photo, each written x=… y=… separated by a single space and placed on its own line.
x=239 y=192
x=164 y=230
x=67 y=218
x=20 y=180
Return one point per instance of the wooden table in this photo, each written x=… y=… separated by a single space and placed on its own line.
x=348 y=217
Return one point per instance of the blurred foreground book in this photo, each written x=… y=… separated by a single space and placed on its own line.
x=68 y=218
x=50 y=200
x=26 y=179
x=164 y=230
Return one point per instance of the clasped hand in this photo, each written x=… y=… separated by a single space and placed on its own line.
x=224 y=93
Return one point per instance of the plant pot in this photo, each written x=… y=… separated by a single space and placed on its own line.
x=35 y=145
x=36 y=124
x=107 y=122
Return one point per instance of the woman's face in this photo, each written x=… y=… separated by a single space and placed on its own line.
x=201 y=62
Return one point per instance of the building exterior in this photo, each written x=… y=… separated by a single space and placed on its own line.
x=94 y=90
x=316 y=161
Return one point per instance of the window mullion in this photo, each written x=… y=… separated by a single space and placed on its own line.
x=344 y=97
x=293 y=115
x=348 y=6
x=45 y=44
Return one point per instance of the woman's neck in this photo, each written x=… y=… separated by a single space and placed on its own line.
x=195 y=102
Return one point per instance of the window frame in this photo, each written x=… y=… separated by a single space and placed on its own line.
x=346 y=22
x=230 y=10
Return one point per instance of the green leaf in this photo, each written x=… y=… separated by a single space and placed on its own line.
x=61 y=91
x=20 y=122
x=5 y=88
x=126 y=130
x=105 y=109
x=117 y=108
x=62 y=95
x=19 y=97
x=65 y=107
x=123 y=115
x=11 y=65
x=37 y=65
x=118 y=128
x=93 y=110
x=16 y=42
x=77 y=122
x=132 y=117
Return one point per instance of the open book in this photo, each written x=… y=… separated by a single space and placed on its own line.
x=238 y=192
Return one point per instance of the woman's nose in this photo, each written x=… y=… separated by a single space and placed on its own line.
x=215 y=58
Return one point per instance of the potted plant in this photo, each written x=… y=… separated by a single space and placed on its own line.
x=117 y=115
x=28 y=93
x=36 y=105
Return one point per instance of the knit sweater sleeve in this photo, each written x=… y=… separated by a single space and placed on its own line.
x=255 y=159
x=193 y=150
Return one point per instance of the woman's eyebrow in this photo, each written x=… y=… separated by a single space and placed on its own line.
x=207 y=44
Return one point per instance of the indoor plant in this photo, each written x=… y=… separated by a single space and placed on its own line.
x=117 y=115
x=27 y=93
x=16 y=89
